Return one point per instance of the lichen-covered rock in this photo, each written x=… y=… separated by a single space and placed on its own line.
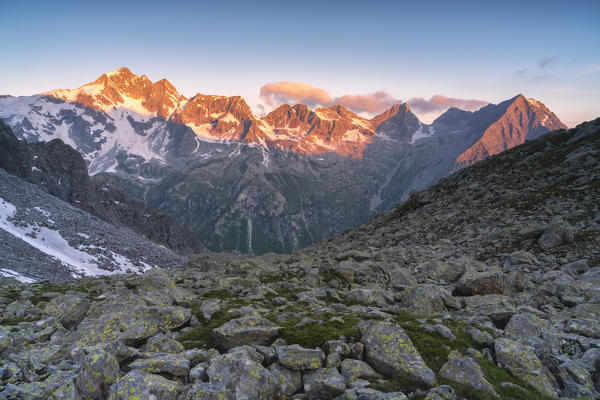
x=465 y=370
x=67 y=391
x=366 y=296
x=38 y=390
x=440 y=271
x=556 y=234
x=98 y=372
x=289 y=381
x=522 y=362
x=162 y=344
x=390 y=352
x=235 y=377
x=324 y=383
x=137 y=384
x=584 y=326
x=441 y=329
x=531 y=330
x=129 y=320
x=250 y=329
x=209 y=307
x=299 y=358
x=69 y=309
x=424 y=299
x=477 y=283
x=170 y=364
x=443 y=392
x=198 y=373
x=353 y=369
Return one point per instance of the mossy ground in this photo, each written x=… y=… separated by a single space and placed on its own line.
x=316 y=334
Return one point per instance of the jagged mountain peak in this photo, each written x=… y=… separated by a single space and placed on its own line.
x=509 y=124
x=398 y=111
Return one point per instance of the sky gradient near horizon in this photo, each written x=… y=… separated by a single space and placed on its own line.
x=473 y=50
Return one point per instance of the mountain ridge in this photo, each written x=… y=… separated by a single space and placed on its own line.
x=230 y=118
x=276 y=183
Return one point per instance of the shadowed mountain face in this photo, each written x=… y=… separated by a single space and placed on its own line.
x=275 y=183
x=61 y=171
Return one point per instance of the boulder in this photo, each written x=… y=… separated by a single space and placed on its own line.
x=137 y=384
x=162 y=344
x=69 y=309
x=67 y=391
x=169 y=364
x=199 y=372
x=478 y=283
x=353 y=369
x=440 y=271
x=98 y=372
x=556 y=234
x=250 y=329
x=588 y=327
x=424 y=299
x=129 y=320
x=323 y=383
x=298 y=358
x=289 y=380
x=390 y=352
x=522 y=362
x=234 y=377
x=465 y=370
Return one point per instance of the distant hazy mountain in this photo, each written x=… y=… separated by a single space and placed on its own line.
x=275 y=183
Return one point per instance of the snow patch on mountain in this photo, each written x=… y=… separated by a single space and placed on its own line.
x=423 y=132
x=52 y=243
x=8 y=273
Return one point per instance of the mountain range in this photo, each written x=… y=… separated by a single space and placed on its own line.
x=276 y=183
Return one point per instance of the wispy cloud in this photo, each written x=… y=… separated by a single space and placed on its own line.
x=371 y=103
x=540 y=72
x=277 y=93
x=294 y=92
x=440 y=103
x=545 y=62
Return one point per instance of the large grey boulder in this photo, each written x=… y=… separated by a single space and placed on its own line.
x=354 y=369
x=169 y=364
x=440 y=271
x=69 y=309
x=464 y=370
x=424 y=299
x=98 y=372
x=556 y=234
x=250 y=329
x=324 y=383
x=389 y=350
x=236 y=377
x=289 y=381
x=522 y=362
x=129 y=320
x=137 y=384
x=299 y=358
x=476 y=283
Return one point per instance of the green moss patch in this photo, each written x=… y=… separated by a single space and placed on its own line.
x=316 y=334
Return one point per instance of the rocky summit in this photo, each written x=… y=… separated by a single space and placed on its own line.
x=484 y=286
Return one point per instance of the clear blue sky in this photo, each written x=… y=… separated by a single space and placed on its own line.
x=549 y=50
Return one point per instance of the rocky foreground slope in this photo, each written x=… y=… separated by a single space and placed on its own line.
x=486 y=286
